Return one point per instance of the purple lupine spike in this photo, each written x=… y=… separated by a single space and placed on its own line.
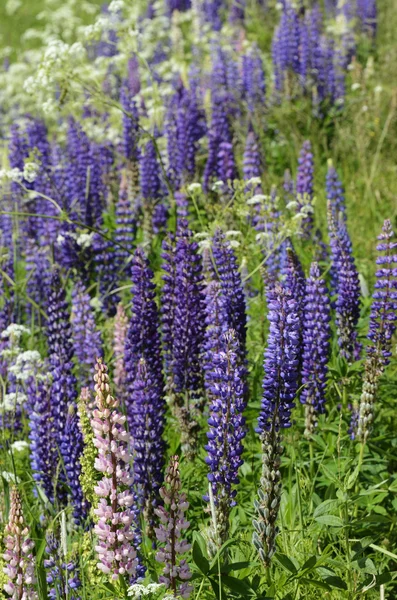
x=150 y=173
x=133 y=81
x=304 y=186
x=226 y=429
x=63 y=388
x=77 y=166
x=316 y=344
x=175 y=168
x=62 y=577
x=86 y=336
x=179 y=5
x=191 y=128
x=173 y=523
x=252 y=160
x=119 y=339
x=43 y=451
x=294 y=278
x=216 y=326
x=130 y=120
x=188 y=325
x=36 y=132
x=335 y=193
x=94 y=201
x=382 y=326
x=285 y=48
x=281 y=360
x=236 y=13
x=106 y=274
x=143 y=339
x=126 y=225
x=226 y=269
x=168 y=306
x=211 y=10
x=146 y=420
x=347 y=282
x=18 y=555
x=71 y=448
x=367 y=15
x=37 y=266
x=280 y=386
x=253 y=80
x=304 y=53
x=115 y=514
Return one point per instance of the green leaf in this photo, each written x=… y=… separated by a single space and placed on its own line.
x=315 y=582
x=199 y=559
x=238 y=566
x=330 y=520
x=352 y=478
x=336 y=582
x=285 y=562
x=237 y=585
x=309 y=564
x=325 y=507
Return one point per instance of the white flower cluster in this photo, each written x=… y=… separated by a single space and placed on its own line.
x=11 y=400
x=26 y=365
x=29 y=173
x=154 y=591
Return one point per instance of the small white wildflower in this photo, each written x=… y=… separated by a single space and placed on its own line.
x=84 y=240
x=234 y=243
x=194 y=187
x=10 y=477
x=217 y=185
x=257 y=199
x=96 y=303
x=26 y=365
x=232 y=233
x=30 y=171
x=355 y=86
x=254 y=181
x=14 y=331
x=378 y=89
x=12 y=399
x=292 y=205
x=12 y=6
x=364 y=108
x=116 y=6
x=19 y=446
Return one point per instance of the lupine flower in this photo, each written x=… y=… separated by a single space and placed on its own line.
x=130 y=119
x=316 y=343
x=71 y=448
x=88 y=475
x=216 y=326
x=86 y=336
x=62 y=577
x=382 y=325
x=151 y=186
x=232 y=288
x=119 y=338
x=279 y=389
x=173 y=523
x=252 y=161
x=281 y=360
x=347 y=288
x=226 y=379
x=143 y=339
x=106 y=274
x=20 y=563
x=335 y=193
x=126 y=224
x=63 y=390
x=367 y=14
x=220 y=162
x=115 y=526
x=43 y=451
x=304 y=186
x=146 y=420
x=253 y=80
x=37 y=266
x=183 y=328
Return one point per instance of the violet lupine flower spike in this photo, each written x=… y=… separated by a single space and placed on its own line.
x=216 y=325
x=335 y=193
x=115 y=525
x=86 y=336
x=226 y=430
x=304 y=187
x=62 y=577
x=316 y=343
x=382 y=325
x=173 y=523
x=347 y=304
x=232 y=288
x=146 y=419
x=20 y=563
x=143 y=338
x=279 y=390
